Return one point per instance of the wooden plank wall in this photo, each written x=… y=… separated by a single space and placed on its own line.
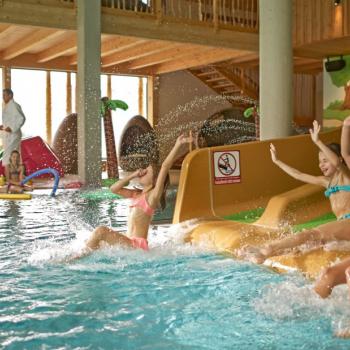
x=316 y=20
x=308 y=101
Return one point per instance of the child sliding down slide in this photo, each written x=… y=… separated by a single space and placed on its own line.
x=154 y=181
x=336 y=180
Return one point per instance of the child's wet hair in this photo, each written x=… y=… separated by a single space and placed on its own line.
x=335 y=147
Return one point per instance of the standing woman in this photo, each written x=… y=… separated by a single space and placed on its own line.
x=12 y=121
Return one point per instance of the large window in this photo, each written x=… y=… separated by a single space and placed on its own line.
x=29 y=88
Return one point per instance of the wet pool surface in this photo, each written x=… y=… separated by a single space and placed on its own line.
x=176 y=296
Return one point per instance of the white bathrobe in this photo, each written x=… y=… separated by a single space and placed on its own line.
x=12 y=117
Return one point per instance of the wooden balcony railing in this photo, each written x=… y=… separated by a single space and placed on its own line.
x=215 y=13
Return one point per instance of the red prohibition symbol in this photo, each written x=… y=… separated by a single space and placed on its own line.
x=227 y=164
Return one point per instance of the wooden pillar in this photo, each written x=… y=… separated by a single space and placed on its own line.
x=140 y=96
x=216 y=14
x=88 y=82
x=158 y=10
x=48 y=108
x=109 y=86
x=153 y=97
x=6 y=78
x=276 y=68
x=69 y=94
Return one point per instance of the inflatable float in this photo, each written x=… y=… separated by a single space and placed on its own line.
x=220 y=181
x=15 y=196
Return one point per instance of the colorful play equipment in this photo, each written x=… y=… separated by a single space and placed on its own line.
x=37 y=155
x=65 y=144
x=15 y=196
x=47 y=171
x=220 y=181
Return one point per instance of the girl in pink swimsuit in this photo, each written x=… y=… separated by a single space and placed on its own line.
x=143 y=203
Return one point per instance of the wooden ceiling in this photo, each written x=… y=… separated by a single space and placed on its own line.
x=40 y=34
x=41 y=48
x=32 y=47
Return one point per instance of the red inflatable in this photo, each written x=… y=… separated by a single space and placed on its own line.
x=37 y=154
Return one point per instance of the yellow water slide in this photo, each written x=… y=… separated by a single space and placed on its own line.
x=220 y=181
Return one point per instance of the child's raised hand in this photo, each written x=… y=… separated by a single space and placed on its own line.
x=273 y=153
x=138 y=173
x=346 y=122
x=182 y=140
x=315 y=131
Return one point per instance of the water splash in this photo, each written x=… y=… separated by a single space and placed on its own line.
x=295 y=299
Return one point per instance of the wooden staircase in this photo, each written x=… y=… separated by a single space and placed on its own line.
x=227 y=80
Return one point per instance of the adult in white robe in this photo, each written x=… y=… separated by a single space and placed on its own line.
x=12 y=120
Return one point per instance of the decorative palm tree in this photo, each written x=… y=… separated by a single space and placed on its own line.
x=107 y=106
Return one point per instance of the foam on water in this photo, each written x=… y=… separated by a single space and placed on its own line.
x=296 y=300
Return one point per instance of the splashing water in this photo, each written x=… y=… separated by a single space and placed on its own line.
x=295 y=300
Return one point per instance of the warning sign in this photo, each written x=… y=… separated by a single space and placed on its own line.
x=226 y=167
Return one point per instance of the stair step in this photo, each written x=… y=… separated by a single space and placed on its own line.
x=215 y=79
x=223 y=85
x=206 y=73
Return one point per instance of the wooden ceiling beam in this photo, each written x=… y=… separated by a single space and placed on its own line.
x=179 y=31
x=5 y=30
x=204 y=57
x=30 y=61
x=114 y=45
x=138 y=51
x=118 y=44
x=37 y=37
x=174 y=52
x=60 y=49
x=35 y=14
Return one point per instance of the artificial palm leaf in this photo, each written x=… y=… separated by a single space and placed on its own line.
x=112 y=105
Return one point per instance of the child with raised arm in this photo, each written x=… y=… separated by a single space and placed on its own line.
x=154 y=182
x=336 y=180
x=339 y=273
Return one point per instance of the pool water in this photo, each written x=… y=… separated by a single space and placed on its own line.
x=174 y=297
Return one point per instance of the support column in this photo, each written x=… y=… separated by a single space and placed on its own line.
x=48 y=108
x=141 y=96
x=109 y=86
x=152 y=102
x=6 y=78
x=88 y=80
x=276 y=69
x=69 y=94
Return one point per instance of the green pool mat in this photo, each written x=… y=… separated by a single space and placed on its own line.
x=108 y=182
x=315 y=222
x=247 y=216
x=99 y=195
x=250 y=216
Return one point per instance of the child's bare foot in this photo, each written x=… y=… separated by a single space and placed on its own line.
x=253 y=254
x=343 y=333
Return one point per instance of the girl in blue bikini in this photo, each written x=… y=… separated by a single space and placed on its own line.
x=336 y=180
x=339 y=273
x=143 y=203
